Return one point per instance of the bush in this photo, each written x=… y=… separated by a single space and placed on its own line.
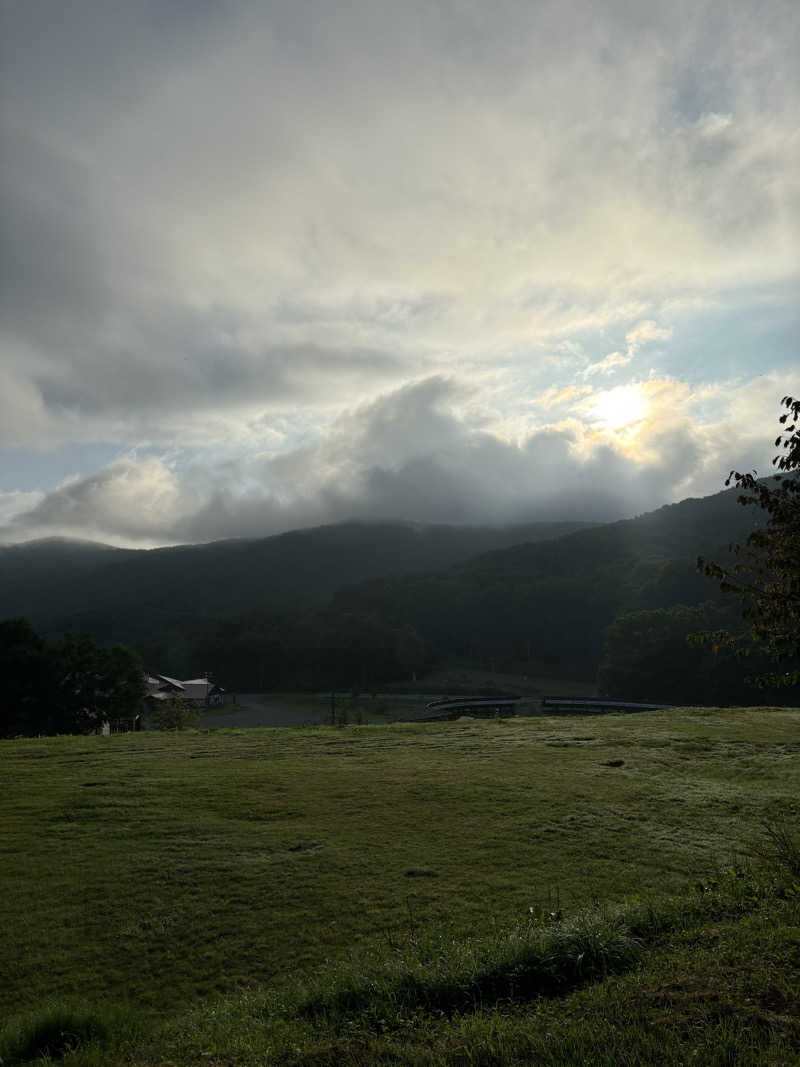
x=174 y=713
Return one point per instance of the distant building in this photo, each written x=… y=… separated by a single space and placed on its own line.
x=161 y=687
x=195 y=690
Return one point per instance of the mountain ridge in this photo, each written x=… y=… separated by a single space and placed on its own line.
x=542 y=592
x=62 y=584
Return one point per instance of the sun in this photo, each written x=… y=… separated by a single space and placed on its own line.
x=617 y=408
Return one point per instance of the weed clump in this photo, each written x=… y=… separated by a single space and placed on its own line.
x=778 y=848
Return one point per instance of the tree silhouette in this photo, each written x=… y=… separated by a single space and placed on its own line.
x=766 y=574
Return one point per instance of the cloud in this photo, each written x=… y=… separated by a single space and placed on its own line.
x=712 y=125
x=131 y=500
x=299 y=262
x=17 y=503
x=556 y=396
x=646 y=331
x=216 y=208
x=641 y=334
x=415 y=454
x=609 y=363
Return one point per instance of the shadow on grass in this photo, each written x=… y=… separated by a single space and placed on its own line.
x=449 y=977
x=58 y=1029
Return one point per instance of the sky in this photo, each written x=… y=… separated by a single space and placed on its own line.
x=271 y=265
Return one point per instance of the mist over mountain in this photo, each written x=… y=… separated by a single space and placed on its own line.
x=357 y=605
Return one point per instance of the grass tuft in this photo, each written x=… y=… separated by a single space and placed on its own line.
x=778 y=847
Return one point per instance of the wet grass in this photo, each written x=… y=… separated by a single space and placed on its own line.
x=164 y=872
x=711 y=975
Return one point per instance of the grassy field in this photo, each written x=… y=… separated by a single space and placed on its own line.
x=163 y=873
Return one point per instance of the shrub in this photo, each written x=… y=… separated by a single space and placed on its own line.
x=175 y=713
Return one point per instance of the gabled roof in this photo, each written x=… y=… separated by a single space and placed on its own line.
x=170 y=681
x=161 y=687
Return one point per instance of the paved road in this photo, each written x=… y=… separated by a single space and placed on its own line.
x=259 y=711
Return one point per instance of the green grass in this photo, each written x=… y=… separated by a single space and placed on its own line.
x=710 y=976
x=55 y=1030
x=191 y=879
x=713 y=978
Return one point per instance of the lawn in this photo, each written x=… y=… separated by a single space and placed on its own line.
x=162 y=871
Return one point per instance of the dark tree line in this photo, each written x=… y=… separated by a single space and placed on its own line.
x=71 y=687
x=649 y=656
x=267 y=651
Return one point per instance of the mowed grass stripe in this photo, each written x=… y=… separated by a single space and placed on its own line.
x=156 y=869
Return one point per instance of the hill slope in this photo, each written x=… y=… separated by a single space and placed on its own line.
x=551 y=601
x=536 y=598
x=121 y=594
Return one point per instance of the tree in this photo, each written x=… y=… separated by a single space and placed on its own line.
x=766 y=575
x=94 y=685
x=175 y=713
x=72 y=688
x=410 y=651
x=124 y=683
x=647 y=658
x=28 y=679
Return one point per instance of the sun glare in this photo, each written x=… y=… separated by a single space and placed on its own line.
x=617 y=408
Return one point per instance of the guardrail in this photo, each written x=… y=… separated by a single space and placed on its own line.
x=599 y=706
x=482 y=705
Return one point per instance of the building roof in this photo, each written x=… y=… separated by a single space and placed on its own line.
x=200 y=688
x=161 y=687
x=170 y=681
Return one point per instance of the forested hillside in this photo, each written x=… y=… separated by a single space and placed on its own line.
x=549 y=603
x=358 y=605
x=126 y=595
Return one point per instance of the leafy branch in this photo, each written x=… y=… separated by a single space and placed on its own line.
x=766 y=576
